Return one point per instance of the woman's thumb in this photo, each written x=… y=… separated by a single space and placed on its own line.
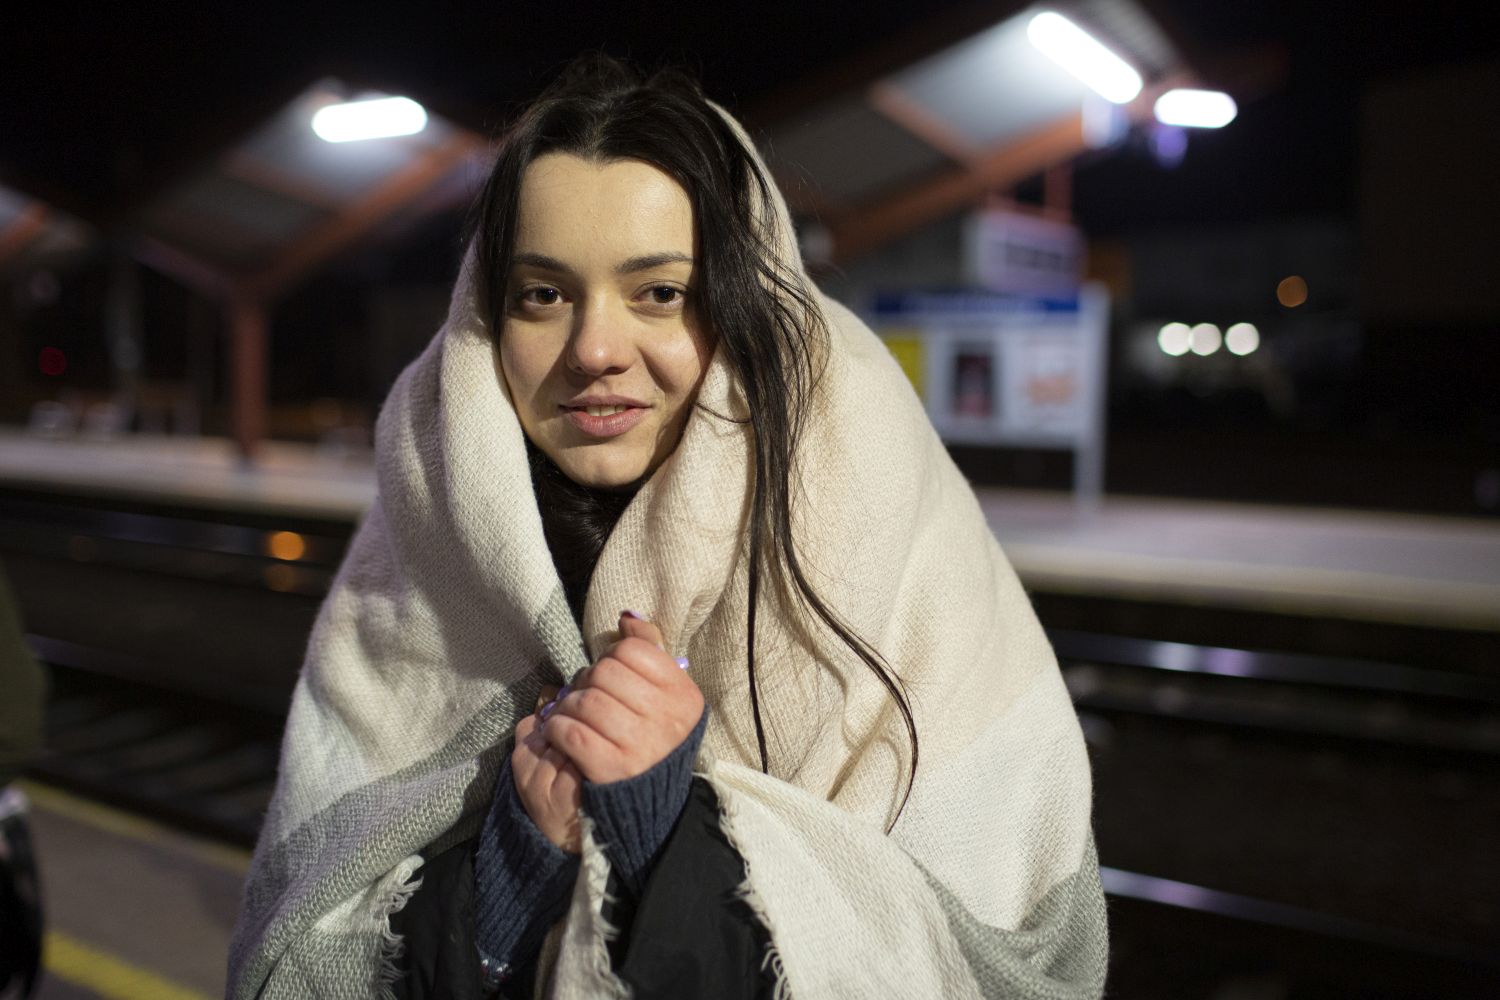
x=632 y=625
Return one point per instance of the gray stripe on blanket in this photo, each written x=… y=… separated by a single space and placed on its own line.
x=1060 y=951
x=364 y=834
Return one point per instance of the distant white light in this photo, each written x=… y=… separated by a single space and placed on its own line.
x=1195 y=108
x=1205 y=339
x=1242 y=339
x=373 y=119
x=1174 y=339
x=1078 y=52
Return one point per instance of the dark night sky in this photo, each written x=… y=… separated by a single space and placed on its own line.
x=1293 y=151
x=95 y=109
x=100 y=106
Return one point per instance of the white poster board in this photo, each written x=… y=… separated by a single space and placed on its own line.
x=1008 y=370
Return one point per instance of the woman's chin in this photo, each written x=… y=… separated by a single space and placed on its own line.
x=586 y=467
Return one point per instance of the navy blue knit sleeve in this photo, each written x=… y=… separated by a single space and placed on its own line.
x=521 y=881
x=633 y=818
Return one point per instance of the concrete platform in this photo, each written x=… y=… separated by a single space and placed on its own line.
x=288 y=478
x=1434 y=571
x=134 y=910
x=1405 y=569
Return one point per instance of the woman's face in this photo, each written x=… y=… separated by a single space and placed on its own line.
x=600 y=347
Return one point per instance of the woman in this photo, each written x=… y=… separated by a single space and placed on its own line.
x=640 y=401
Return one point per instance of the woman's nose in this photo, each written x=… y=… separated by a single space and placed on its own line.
x=601 y=343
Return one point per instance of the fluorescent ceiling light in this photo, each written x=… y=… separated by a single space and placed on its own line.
x=375 y=119
x=1078 y=52
x=1195 y=108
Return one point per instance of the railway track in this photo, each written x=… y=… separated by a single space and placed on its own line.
x=210 y=767
x=185 y=760
x=1299 y=825
x=1319 y=820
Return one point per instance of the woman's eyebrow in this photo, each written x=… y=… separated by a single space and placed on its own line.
x=628 y=266
x=540 y=261
x=648 y=261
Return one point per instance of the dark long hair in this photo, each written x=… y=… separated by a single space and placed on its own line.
x=753 y=301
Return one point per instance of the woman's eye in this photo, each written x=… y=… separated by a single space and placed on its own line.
x=542 y=295
x=665 y=295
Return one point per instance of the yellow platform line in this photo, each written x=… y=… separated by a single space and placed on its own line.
x=132 y=827
x=112 y=978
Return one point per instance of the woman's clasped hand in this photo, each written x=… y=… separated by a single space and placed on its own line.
x=621 y=717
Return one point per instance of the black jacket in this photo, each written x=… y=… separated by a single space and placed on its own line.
x=688 y=935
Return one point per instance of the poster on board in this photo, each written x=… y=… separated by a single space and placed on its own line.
x=1007 y=370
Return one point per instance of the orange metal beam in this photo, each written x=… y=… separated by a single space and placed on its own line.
x=865 y=229
x=1057 y=190
x=203 y=278
x=258 y=173
x=870 y=226
x=924 y=36
x=326 y=239
x=25 y=228
x=918 y=119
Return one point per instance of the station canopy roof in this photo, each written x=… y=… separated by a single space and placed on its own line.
x=925 y=130
x=980 y=114
x=283 y=200
x=870 y=158
x=33 y=234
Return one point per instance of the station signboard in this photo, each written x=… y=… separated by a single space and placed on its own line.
x=1022 y=253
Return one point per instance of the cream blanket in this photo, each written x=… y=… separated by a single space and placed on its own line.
x=447 y=616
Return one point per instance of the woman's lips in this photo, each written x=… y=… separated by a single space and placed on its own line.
x=609 y=426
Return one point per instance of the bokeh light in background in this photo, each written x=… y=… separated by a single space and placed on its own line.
x=287 y=545
x=1205 y=339
x=1168 y=144
x=1292 y=291
x=52 y=361
x=280 y=577
x=1242 y=339
x=1174 y=339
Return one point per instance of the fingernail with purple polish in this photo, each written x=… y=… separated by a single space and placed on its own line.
x=682 y=661
x=633 y=614
x=546 y=711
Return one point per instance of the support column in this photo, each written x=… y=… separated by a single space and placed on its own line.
x=123 y=338
x=248 y=349
x=1057 y=190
